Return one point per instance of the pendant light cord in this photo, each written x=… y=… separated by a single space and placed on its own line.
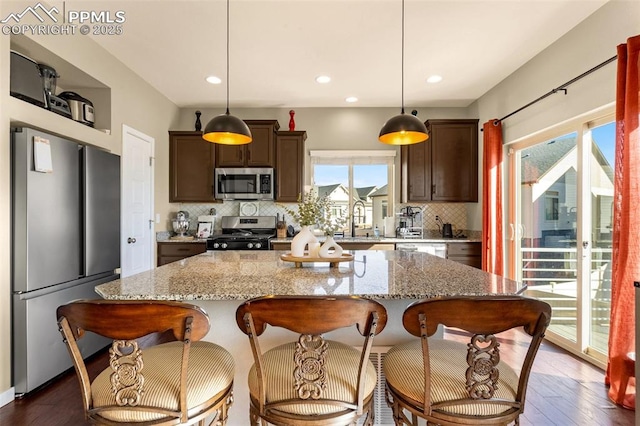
x=402 y=66
x=228 y=56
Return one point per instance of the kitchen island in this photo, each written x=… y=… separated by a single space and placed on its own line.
x=219 y=281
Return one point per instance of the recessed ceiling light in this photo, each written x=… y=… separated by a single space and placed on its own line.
x=434 y=79
x=322 y=79
x=213 y=79
x=351 y=99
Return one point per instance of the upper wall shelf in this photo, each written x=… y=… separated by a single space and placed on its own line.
x=71 y=79
x=29 y=115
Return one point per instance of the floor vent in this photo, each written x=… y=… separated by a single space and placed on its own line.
x=383 y=414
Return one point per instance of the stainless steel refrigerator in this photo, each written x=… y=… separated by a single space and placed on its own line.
x=65 y=241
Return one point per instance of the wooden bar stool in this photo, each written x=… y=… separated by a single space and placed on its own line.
x=449 y=383
x=311 y=381
x=179 y=382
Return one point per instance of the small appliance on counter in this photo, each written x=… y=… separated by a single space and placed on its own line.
x=445 y=228
x=81 y=108
x=181 y=226
x=409 y=223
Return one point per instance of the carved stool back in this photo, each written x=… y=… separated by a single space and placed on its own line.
x=311 y=380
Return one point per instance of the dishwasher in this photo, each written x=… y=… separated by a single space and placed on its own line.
x=437 y=249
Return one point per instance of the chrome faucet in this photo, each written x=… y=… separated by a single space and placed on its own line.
x=353 y=216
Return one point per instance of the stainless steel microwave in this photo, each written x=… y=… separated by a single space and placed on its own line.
x=244 y=184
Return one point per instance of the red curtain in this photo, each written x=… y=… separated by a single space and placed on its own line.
x=626 y=225
x=492 y=251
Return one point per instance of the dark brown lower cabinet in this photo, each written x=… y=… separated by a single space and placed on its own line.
x=469 y=253
x=170 y=252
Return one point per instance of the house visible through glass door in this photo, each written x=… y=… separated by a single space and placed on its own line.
x=560 y=223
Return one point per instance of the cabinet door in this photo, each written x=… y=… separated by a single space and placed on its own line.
x=416 y=177
x=289 y=165
x=261 y=151
x=230 y=155
x=191 y=163
x=454 y=160
x=445 y=167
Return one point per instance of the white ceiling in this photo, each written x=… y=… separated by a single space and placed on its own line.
x=278 y=47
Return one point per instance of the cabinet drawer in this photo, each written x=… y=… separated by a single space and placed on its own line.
x=281 y=246
x=475 y=261
x=464 y=249
x=181 y=249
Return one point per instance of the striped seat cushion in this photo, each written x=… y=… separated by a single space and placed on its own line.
x=211 y=370
x=342 y=363
x=403 y=369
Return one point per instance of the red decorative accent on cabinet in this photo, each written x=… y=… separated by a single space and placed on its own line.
x=292 y=123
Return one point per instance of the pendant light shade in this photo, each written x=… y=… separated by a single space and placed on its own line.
x=403 y=129
x=227 y=129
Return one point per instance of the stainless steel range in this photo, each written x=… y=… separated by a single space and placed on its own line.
x=244 y=233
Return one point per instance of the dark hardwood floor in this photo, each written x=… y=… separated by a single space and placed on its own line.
x=563 y=391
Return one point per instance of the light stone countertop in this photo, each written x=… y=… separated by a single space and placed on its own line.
x=241 y=275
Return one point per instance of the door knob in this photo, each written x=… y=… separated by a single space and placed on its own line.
x=131 y=240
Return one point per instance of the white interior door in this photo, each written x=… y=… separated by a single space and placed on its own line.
x=137 y=202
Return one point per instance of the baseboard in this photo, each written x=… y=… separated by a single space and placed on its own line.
x=7 y=396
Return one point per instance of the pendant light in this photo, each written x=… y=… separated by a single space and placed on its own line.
x=403 y=129
x=225 y=128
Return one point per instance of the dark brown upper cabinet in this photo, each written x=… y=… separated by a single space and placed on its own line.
x=191 y=164
x=445 y=167
x=289 y=165
x=259 y=153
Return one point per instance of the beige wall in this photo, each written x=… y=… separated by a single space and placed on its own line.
x=590 y=43
x=133 y=102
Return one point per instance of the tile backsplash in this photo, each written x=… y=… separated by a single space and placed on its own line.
x=454 y=213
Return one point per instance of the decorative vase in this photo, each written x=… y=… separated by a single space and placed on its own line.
x=300 y=241
x=329 y=244
x=314 y=249
x=292 y=122
x=198 y=122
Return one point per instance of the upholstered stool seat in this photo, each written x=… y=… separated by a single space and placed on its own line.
x=341 y=373
x=184 y=381
x=210 y=373
x=404 y=371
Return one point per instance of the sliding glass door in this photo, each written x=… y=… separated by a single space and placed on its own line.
x=561 y=195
